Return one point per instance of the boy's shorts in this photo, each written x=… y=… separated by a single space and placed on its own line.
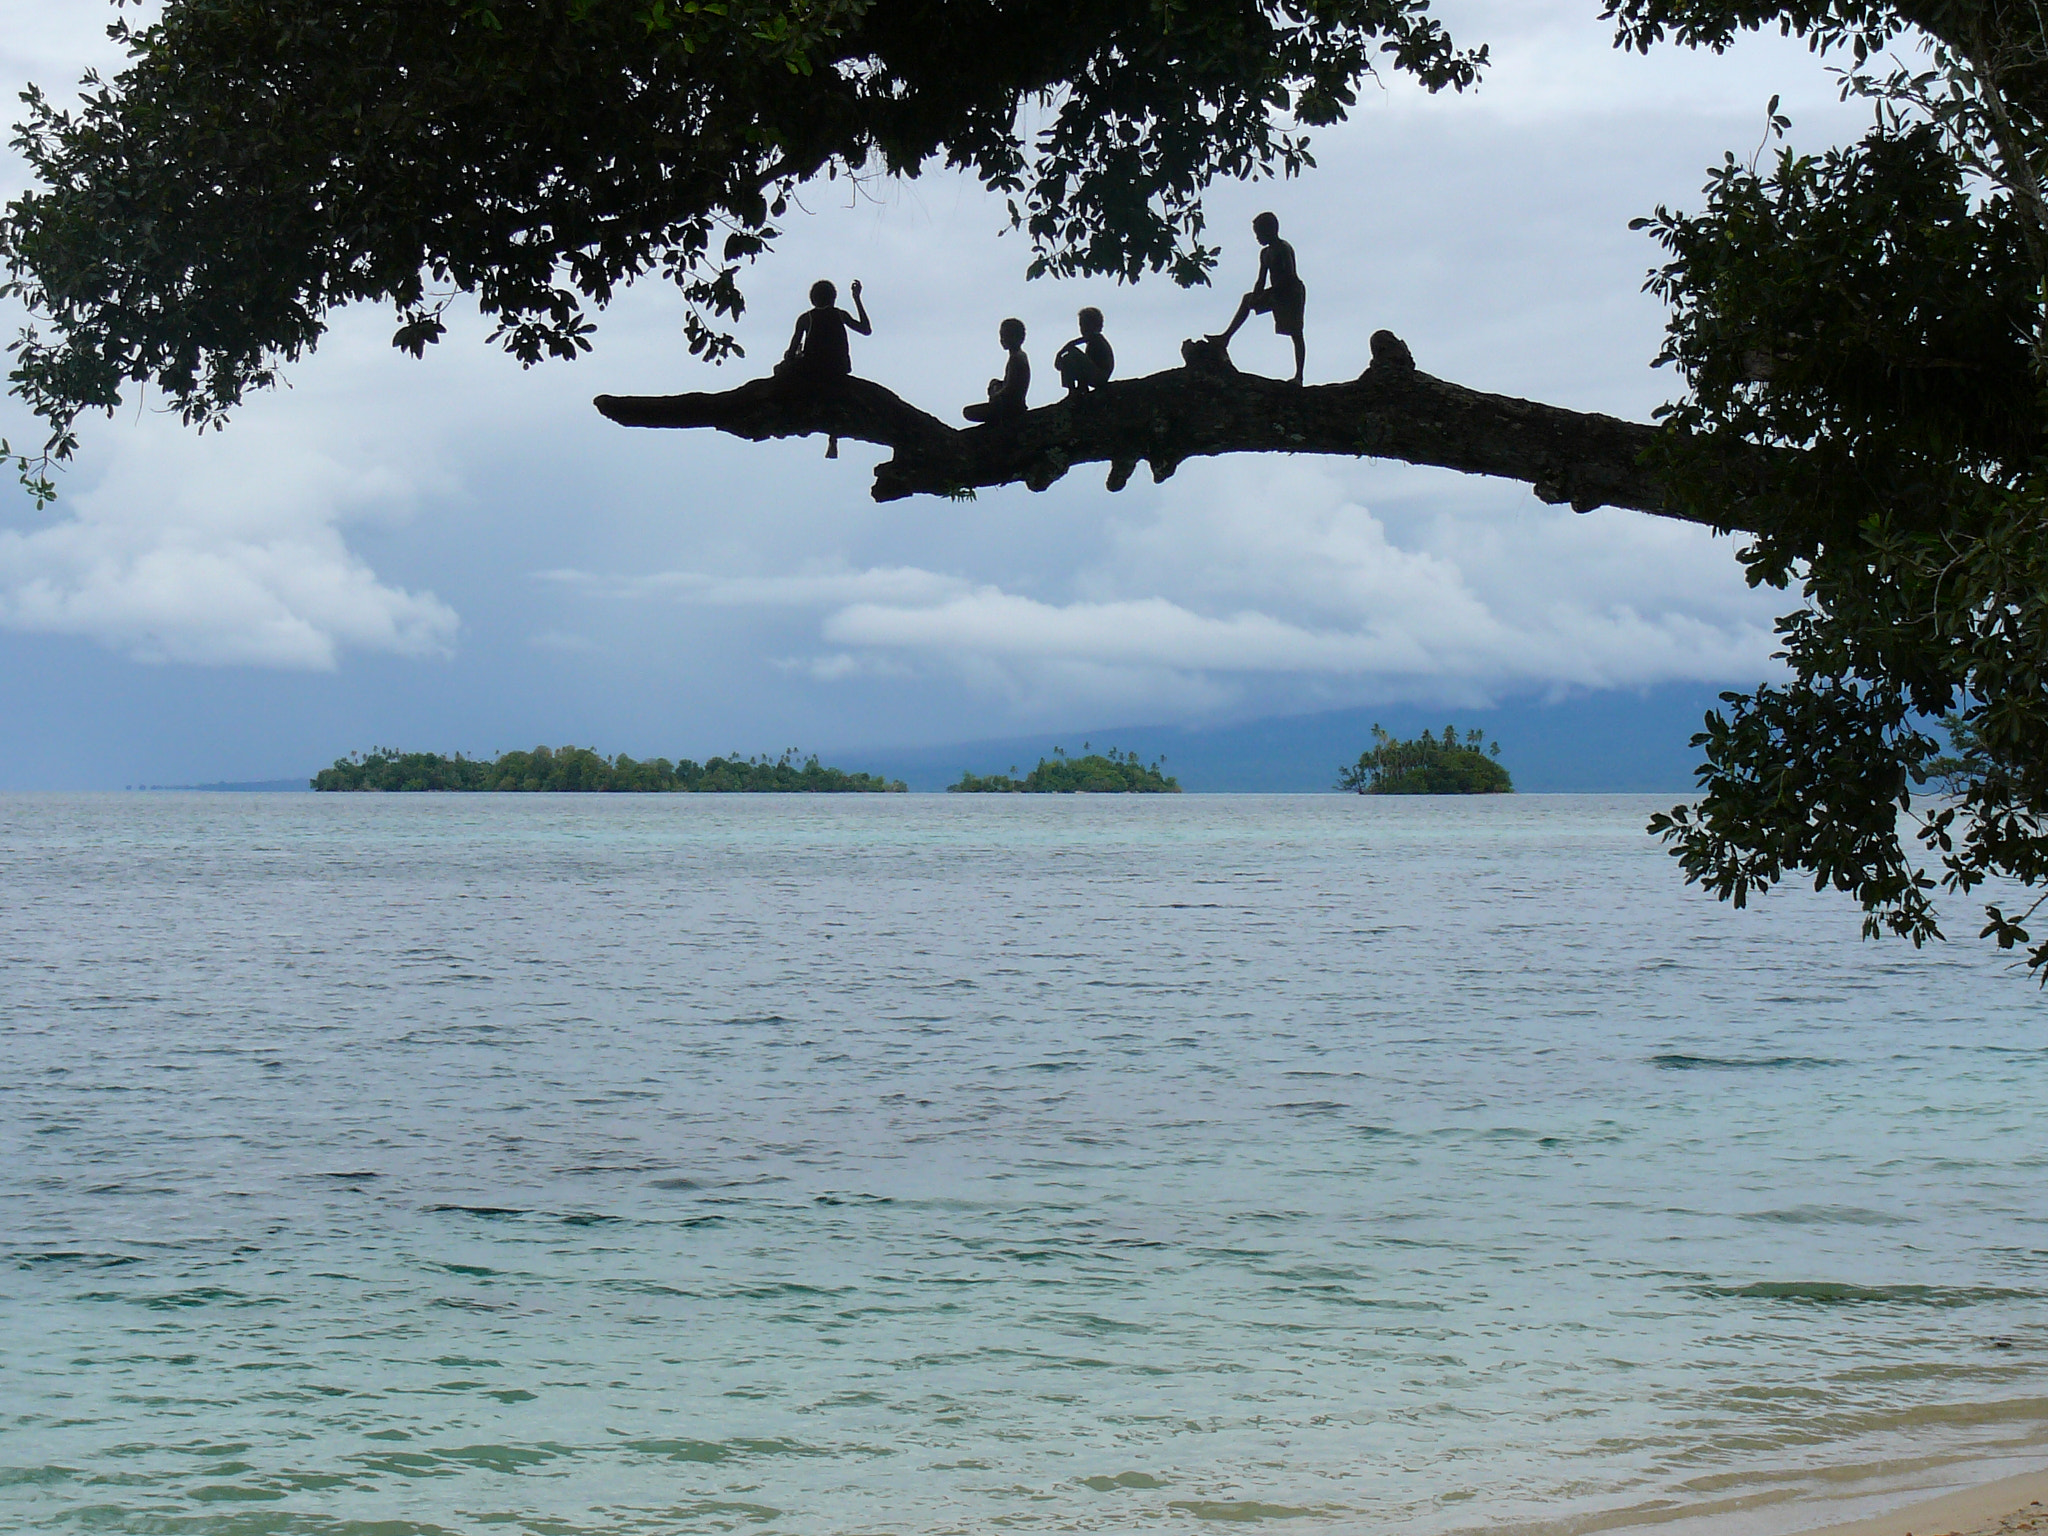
x=1284 y=305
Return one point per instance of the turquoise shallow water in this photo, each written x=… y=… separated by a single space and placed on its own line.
x=705 y=1164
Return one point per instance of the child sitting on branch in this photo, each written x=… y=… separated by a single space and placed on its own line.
x=818 y=354
x=818 y=350
x=1086 y=362
x=1006 y=395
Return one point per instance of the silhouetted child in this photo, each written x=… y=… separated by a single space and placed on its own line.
x=1086 y=362
x=1006 y=395
x=1279 y=292
x=818 y=353
x=817 y=347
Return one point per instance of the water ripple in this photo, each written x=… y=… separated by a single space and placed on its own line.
x=400 y=1167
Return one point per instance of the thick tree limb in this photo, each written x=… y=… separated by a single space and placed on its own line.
x=1391 y=411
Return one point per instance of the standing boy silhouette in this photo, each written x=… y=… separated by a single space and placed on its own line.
x=1278 y=292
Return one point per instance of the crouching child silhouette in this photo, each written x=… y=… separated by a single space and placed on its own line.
x=1278 y=292
x=1006 y=395
x=1086 y=362
x=818 y=353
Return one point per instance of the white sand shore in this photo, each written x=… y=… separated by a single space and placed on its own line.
x=2011 y=1506
x=1868 y=1500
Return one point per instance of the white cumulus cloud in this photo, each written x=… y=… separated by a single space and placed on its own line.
x=241 y=565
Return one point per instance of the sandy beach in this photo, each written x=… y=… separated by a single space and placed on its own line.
x=2011 y=1506
x=2014 y=1505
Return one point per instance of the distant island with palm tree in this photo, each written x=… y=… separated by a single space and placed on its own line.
x=1096 y=773
x=1428 y=765
x=581 y=770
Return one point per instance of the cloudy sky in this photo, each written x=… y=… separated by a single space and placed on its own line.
x=459 y=554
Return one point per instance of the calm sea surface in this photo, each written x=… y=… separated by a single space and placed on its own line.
x=845 y=1166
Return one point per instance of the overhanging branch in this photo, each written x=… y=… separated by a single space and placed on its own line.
x=1391 y=411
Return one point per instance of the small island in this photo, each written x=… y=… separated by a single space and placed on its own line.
x=1097 y=773
x=1428 y=765
x=579 y=770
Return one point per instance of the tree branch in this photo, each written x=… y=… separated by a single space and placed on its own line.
x=1391 y=411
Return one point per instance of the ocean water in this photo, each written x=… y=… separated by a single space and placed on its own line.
x=580 y=1166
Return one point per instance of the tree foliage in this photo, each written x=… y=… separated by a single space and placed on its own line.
x=1094 y=773
x=1428 y=765
x=260 y=163
x=579 y=770
x=1879 y=307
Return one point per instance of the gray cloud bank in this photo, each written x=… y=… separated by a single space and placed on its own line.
x=1265 y=572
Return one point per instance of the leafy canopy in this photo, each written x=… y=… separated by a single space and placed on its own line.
x=261 y=162
x=1880 y=308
